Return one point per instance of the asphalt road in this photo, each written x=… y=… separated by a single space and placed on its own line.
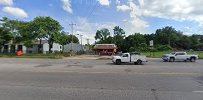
x=46 y=79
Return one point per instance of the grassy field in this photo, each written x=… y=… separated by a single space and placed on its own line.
x=159 y=54
x=48 y=56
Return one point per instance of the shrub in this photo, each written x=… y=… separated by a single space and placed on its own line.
x=163 y=48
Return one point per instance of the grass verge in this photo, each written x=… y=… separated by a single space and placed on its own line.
x=160 y=53
x=45 y=56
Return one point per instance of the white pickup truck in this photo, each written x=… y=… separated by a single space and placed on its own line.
x=179 y=56
x=135 y=58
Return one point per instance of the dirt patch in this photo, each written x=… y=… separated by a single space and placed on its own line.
x=128 y=70
x=154 y=94
x=103 y=59
x=88 y=66
x=76 y=62
x=68 y=66
x=199 y=80
x=45 y=65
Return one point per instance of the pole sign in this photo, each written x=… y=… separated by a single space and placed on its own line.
x=151 y=43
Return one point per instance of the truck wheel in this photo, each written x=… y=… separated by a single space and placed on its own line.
x=171 y=59
x=139 y=62
x=192 y=59
x=165 y=60
x=118 y=62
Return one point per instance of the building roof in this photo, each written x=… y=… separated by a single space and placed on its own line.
x=105 y=46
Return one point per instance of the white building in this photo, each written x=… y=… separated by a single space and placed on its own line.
x=34 y=48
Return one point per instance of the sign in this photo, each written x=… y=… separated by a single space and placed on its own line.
x=151 y=43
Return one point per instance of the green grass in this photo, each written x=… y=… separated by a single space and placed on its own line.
x=156 y=54
x=48 y=56
x=160 y=53
x=200 y=53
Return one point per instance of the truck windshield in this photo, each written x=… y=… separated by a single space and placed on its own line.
x=173 y=53
x=119 y=54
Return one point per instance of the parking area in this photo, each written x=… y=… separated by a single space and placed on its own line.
x=90 y=79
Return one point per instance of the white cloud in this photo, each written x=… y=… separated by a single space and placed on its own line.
x=67 y=6
x=104 y=2
x=17 y=12
x=6 y=2
x=118 y=2
x=136 y=22
x=123 y=8
x=88 y=29
x=179 y=10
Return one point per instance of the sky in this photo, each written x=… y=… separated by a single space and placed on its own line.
x=144 y=16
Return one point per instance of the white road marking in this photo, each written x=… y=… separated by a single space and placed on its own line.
x=197 y=91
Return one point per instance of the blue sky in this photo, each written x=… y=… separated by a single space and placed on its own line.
x=143 y=16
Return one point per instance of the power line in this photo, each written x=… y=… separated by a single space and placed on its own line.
x=91 y=12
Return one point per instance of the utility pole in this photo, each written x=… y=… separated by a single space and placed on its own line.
x=88 y=41
x=80 y=40
x=72 y=29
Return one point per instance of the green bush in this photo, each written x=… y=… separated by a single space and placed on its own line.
x=163 y=48
x=143 y=47
x=67 y=54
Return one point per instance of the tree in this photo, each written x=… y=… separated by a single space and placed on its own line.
x=75 y=39
x=184 y=42
x=19 y=31
x=118 y=31
x=5 y=36
x=136 y=41
x=167 y=36
x=102 y=34
x=45 y=28
x=13 y=26
x=62 y=38
x=149 y=37
x=119 y=35
x=26 y=35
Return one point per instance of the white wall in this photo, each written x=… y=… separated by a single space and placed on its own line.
x=24 y=49
x=75 y=47
x=56 y=47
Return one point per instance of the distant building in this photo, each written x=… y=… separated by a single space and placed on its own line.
x=34 y=48
x=105 y=49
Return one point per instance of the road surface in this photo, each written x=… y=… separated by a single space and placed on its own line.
x=49 y=79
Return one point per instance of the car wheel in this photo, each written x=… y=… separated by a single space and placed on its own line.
x=139 y=62
x=118 y=62
x=193 y=59
x=171 y=59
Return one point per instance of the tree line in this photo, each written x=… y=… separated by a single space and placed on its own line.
x=167 y=38
x=40 y=28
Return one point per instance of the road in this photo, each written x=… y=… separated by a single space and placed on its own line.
x=49 y=79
